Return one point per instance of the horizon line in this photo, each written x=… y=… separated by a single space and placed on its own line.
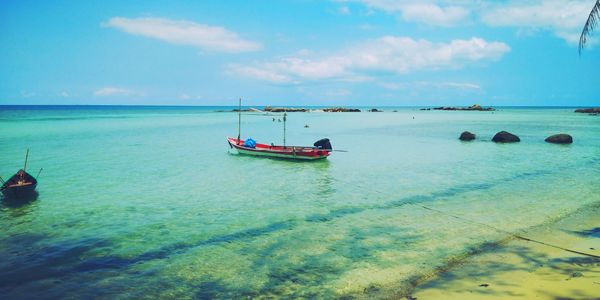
x=282 y=106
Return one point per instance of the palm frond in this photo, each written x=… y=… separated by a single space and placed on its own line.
x=590 y=24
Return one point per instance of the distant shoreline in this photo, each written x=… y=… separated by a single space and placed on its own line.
x=249 y=106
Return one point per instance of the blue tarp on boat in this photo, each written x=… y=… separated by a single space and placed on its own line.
x=250 y=143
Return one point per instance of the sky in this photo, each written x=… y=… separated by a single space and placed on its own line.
x=298 y=52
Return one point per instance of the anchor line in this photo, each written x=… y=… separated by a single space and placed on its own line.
x=507 y=232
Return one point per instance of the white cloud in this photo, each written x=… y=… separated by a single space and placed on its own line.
x=425 y=12
x=344 y=10
x=268 y=72
x=461 y=85
x=564 y=18
x=185 y=96
x=113 y=91
x=205 y=37
x=432 y=14
x=391 y=54
x=64 y=94
x=429 y=85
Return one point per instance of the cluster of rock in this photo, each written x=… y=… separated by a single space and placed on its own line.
x=236 y=110
x=375 y=110
x=595 y=111
x=507 y=137
x=341 y=109
x=300 y=109
x=284 y=109
x=475 y=107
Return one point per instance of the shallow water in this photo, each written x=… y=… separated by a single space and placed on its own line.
x=150 y=202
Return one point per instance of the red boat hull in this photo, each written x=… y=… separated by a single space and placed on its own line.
x=288 y=152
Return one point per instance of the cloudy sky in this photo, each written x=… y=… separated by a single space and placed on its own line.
x=297 y=52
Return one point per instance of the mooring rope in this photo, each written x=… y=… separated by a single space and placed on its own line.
x=506 y=232
x=488 y=226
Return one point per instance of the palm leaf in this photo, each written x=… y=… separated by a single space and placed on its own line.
x=590 y=24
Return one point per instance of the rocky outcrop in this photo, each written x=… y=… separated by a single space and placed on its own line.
x=341 y=109
x=474 y=107
x=284 y=109
x=561 y=138
x=593 y=110
x=466 y=136
x=300 y=109
x=505 y=137
x=375 y=110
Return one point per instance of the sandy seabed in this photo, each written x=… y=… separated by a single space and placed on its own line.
x=520 y=269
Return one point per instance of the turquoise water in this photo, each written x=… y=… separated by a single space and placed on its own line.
x=142 y=202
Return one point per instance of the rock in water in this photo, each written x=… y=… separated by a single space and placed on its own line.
x=561 y=138
x=466 y=136
x=505 y=137
x=592 y=110
x=476 y=107
x=341 y=109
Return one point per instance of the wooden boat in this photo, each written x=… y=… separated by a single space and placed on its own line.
x=288 y=152
x=19 y=186
x=321 y=149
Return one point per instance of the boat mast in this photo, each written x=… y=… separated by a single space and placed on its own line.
x=25 y=166
x=239 y=119
x=26 y=156
x=284 y=119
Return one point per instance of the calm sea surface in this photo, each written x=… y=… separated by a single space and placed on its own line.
x=142 y=202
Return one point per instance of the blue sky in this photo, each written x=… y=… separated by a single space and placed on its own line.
x=302 y=52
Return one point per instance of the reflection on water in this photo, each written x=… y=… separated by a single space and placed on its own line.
x=13 y=204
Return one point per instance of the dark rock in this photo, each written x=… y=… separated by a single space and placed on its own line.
x=505 y=137
x=466 y=136
x=484 y=285
x=284 y=109
x=593 y=110
x=560 y=139
x=425 y=108
x=375 y=110
x=474 y=107
x=445 y=108
x=341 y=109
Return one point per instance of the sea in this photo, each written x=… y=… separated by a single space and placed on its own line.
x=151 y=202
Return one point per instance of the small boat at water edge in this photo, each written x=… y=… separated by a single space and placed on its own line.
x=320 y=150
x=20 y=186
